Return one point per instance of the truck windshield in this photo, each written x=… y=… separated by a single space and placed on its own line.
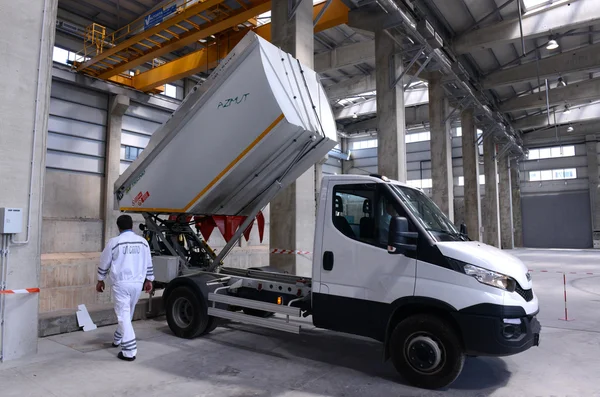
x=428 y=214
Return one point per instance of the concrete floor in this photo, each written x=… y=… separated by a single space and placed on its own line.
x=241 y=361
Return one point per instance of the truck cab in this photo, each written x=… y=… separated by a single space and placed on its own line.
x=424 y=289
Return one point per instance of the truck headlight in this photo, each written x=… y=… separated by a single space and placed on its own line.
x=489 y=277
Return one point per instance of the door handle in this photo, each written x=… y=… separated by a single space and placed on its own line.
x=328 y=260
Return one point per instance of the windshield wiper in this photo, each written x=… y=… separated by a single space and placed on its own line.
x=453 y=234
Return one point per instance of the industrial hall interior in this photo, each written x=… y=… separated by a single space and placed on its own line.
x=300 y=198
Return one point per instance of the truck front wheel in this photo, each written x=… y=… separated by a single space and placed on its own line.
x=426 y=351
x=187 y=314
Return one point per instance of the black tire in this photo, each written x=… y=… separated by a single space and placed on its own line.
x=187 y=314
x=426 y=351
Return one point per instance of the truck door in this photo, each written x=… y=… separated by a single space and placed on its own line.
x=359 y=279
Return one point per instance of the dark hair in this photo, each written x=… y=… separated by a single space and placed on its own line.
x=124 y=222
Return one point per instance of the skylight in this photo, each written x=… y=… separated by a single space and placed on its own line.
x=529 y=5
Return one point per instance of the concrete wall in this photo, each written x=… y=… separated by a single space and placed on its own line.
x=72 y=212
x=26 y=40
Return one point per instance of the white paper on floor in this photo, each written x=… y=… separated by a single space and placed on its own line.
x=84 y=320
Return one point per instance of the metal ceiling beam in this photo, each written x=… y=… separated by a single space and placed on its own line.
x=577 y=115
x=345 y=56
x=565 y=14
x=560 y=135
x=350 y=87
x=411 y=98
x=579 y=60
x=61 y=73
x=573 y=93
x=414 y=115
x=365 y=18
x=204 y=60
x=361 y=84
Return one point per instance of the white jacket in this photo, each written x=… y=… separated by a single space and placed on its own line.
x=127 y=258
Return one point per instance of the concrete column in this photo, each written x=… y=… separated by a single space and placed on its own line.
x=441 y=148
x=505 y=204
x=293 y=211
x=470 y=155
x=391 y=121
x=27 y=41
x=188 y=85
x=112 y=164
x=591 y=146
x=346 y=164
x=491 y=220
x=515 y=187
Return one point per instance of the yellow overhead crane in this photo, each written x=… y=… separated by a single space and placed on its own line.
x=212 y=23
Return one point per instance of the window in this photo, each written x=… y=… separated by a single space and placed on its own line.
x=570 y=173
x=363 y=212
x=59 y=55
x=63 y=56
x=428 y=214
x=132 y=153
x=170 y=91
x=553 y=175
x=459 y=132
x=529 y=5
x=551 y=152
x=366 y=144
x=418 y=137
x=421 y=183
x=547 y=175
x=461 y=180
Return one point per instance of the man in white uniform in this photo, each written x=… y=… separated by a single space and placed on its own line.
x=127 y=258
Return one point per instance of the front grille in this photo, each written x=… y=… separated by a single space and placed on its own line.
x=526 y=294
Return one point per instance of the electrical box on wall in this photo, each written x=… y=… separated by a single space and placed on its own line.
x=11 y=220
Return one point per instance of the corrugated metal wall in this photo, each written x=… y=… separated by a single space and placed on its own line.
x=557 y=213
x=139 y=123
x=76 y=129
x=332 y=166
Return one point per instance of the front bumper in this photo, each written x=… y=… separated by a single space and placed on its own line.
x=490 y=335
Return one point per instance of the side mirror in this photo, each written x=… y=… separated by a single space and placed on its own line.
x=400 y=240
x=463 y=229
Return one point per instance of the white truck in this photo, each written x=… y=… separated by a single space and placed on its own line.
x=387 y=263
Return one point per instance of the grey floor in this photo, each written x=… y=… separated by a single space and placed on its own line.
x=242 y=361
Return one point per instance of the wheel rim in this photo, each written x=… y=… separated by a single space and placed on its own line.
x=183 y=312
x=424 y=353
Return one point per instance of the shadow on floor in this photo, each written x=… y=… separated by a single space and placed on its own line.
x=311 y=355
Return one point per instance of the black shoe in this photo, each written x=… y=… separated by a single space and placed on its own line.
x=122 y=357
x=114 y=345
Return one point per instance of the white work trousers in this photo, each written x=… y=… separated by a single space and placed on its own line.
x=126 y=296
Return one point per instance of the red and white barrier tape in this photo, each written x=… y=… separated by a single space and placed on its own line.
x=290 y=252
x=561 y=272
x=20 y=291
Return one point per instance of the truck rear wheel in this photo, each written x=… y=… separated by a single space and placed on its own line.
x=426 y=351
x=187 y=314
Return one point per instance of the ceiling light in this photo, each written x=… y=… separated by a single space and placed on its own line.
x=570 y=128
x=552 y=45
x=561 y=82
